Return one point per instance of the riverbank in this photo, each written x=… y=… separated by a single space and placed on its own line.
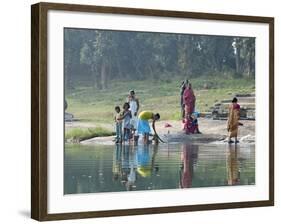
x=212 y=131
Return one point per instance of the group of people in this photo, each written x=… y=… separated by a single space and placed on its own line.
x=189 y=116
x=129 y=164
x=130 y=123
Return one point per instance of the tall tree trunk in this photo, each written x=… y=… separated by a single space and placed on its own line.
x=94 y=77
x=188 y=55
x=103 y=75
x=183 y=57
x=251 y=63
x=67 y=77
x=237 y=60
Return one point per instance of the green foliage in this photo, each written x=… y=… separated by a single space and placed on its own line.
x=99 y=56
x=86 y=133
x=91 y=104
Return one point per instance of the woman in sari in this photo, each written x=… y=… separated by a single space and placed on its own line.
x=189 y=106
x=233 y=120
x=189 y=100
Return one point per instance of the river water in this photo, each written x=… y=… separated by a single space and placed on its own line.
x=93 y=169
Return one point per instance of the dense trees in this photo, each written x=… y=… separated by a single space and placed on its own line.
x=98 y=56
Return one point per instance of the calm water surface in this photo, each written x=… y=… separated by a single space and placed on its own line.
x=124 y=168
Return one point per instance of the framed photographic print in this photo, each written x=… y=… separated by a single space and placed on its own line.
x=141 y=111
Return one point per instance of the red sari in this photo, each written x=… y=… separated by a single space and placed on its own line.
x=189 y=106
x=186 y=172
x=190 y=127
x=189 y=101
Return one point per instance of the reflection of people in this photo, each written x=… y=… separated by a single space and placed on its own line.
x=131 y=178
x=233 y=120
x=128 y=166
x=187 y=166
x=233 y=173
x=130 y=163
x=146 y=160
x=143 y=158
x=154 y=165
x=143 y=123
x=116 y=166
x=125 y=167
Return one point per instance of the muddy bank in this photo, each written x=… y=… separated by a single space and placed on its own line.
x=177 y=137
x=168 y=138
x=212 y=131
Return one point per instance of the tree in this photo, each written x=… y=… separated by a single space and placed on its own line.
x=121 y=55
x=73 y=41
x=244 y=56
x=99 y=52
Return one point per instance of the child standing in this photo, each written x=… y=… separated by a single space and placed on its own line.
x=126 y=117
x=118 y=124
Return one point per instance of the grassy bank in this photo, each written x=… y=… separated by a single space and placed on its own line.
x=81 y=134
x=90 y=104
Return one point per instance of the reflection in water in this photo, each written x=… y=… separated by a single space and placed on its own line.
x=142 y=167
x=188 y=157
x=233 y=165
x=128 y=161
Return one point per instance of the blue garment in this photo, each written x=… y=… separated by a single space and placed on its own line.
x=143 y=126
x=118 y=131
x=127 y=134
x=194 y=122
x=143 y=156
